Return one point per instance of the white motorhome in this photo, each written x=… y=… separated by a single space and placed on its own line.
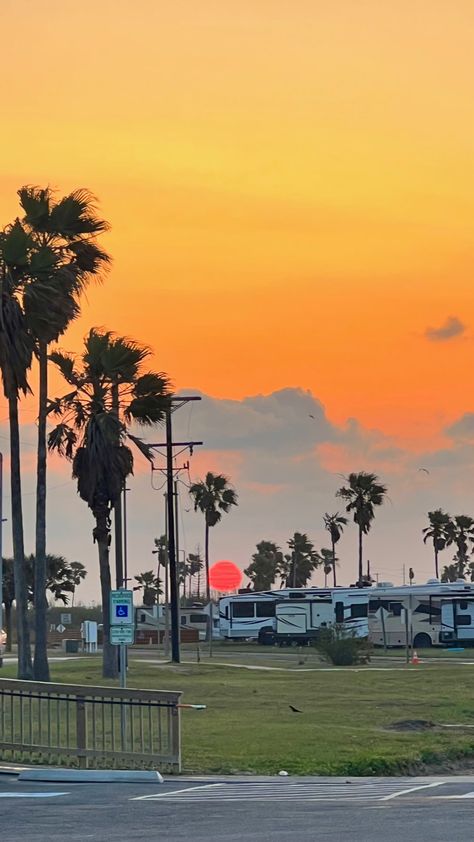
x=440 y=613
x=301 y=621
x=292 y=613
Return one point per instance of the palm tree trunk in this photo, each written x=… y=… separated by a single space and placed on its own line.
x=436 y=562
x=206 y=553
x=333 y=562
x=25 y=666
x=101 y=535
x=361 y=571
x=41 y=667
x=8 y=626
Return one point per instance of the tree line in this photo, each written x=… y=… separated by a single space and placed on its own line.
x=363 y=493
x=446 y=531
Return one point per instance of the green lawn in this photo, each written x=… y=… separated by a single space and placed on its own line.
x=342 y=730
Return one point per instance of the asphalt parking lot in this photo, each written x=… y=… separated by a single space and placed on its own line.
x=205 y=810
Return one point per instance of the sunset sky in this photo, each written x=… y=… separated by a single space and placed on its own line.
x=290 y=188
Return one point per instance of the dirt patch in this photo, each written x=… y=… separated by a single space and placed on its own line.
x=412 y=725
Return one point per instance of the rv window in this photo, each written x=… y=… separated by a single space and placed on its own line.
x=339 y=612
x=266 y=608
x=396 y=609
x=198 y=618
x=358 y=610
x=463 y=604
x=435 y=609
x=463 y=620
x=243 y=609
x=183 y=620
x=374 y=605
x=296 y=595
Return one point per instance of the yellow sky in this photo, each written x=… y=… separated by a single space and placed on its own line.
x=290 y=187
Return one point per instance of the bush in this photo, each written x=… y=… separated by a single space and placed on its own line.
x=341 y=647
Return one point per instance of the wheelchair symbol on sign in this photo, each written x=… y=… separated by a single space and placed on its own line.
x=122 y=611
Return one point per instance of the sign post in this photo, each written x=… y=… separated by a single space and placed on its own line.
x=381 y=613
x=407 y=621
x=122 y=626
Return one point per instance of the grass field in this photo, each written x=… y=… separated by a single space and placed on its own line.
x=344 y=727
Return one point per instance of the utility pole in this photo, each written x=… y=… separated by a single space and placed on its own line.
x=174 y=403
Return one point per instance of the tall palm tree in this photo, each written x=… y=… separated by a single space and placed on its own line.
x=212 y=496
x=16 y=353
x=65 y=258
x=462 y=535
x=363 y=493
x=335 y=526
x=95 y=439
x=440 y=532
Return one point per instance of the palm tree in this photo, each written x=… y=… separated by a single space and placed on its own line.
x=363 y=493
x=195 y=565
x=335 y=526
x=297 y=567
x=78 y=574
x=95 y=438
x=213 y=497
x=65 y=258
x=440 y=532
x=462 y=535
x=266 y=563
x=16 y=354
x=151 y=586
x=329 y=562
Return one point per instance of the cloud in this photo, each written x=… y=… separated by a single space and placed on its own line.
x=450 y=329
x=286 y=468
x=462 y=429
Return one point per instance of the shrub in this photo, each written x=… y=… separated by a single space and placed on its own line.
x=341 y=647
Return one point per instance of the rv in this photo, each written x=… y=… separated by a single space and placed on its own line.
x=292 y=614
x=438 y=613
x=300 y=622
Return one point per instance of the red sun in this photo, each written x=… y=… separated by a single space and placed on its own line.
x=225 y=576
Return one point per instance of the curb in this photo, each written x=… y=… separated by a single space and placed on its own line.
x=91 y=776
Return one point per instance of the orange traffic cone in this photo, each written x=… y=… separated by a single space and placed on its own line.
x=415 y=659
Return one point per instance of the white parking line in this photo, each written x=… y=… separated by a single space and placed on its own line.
x=412 y=789
x=174 y=792
x=377 y=790
x=32 y=794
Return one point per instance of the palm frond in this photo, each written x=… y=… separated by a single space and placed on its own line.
x=35 y=202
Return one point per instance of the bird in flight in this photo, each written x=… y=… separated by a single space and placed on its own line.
x=295 y=710
x=312 y=416
x=425 y=470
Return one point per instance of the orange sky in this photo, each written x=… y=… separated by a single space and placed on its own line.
x=290 y=187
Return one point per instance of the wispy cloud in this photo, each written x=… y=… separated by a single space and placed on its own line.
x=450 y=329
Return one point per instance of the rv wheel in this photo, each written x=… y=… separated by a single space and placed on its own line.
x=422 y=641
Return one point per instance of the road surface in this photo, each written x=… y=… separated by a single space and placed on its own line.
x=240 y=810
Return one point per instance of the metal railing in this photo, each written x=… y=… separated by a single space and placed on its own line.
x=84 y=726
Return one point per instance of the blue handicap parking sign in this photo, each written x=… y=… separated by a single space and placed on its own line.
x=121 y=610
